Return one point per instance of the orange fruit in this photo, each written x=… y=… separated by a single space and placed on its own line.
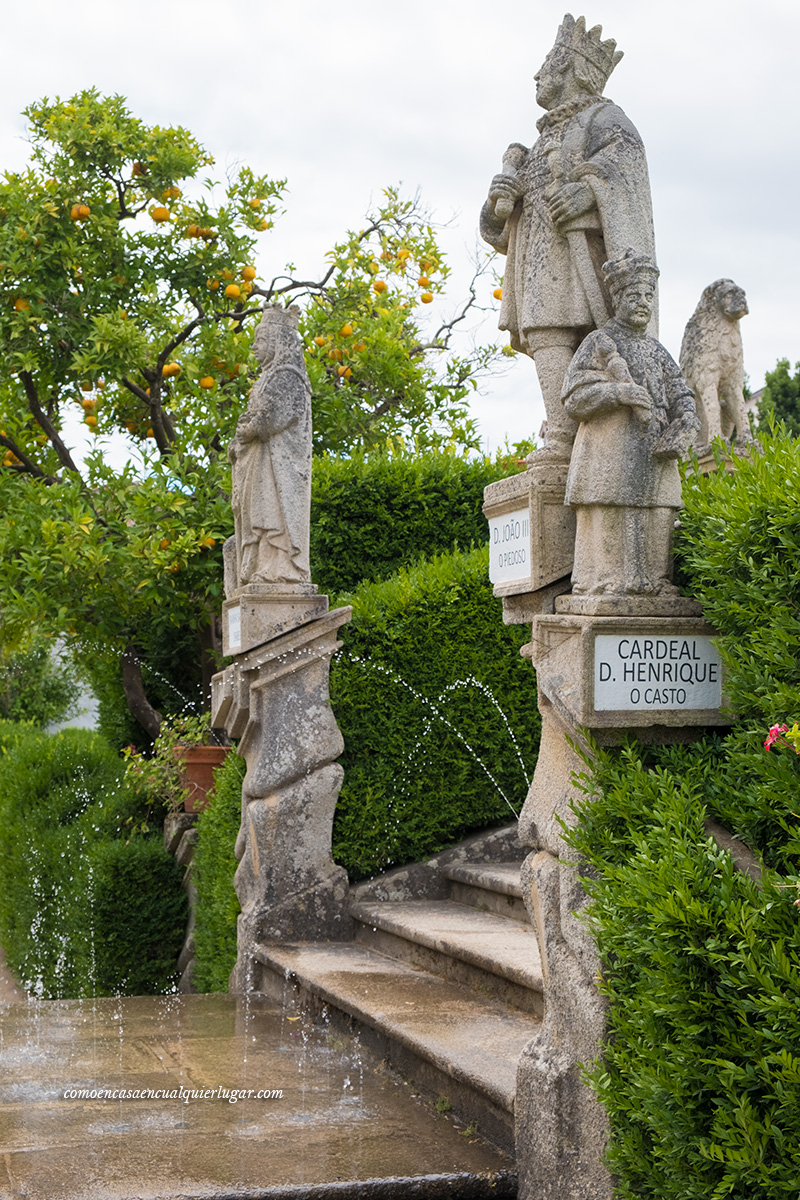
x=193 y=231
x=345 y=371
x=90 y=420
x=171 y=193
x=209 y=541
x=150 y=433
x=139 y=169
x=172 y=368
x=254 y=203
x=131 y=426
x=79 y=212
x=164 y=543
x=213 y=284
x=89 y=405
x=346 y=330
x=359 y=346
x=22 y=305
x=424 y=265
x=248 y=273
x=373 y=267
x=426 y=298
x=159 y=213
x=379 y=286
x=403 y=254
x=335 y=354
x=262 y=225
x=423 y=281
x=233 y=291
x=320 y=341
x=498 y=293
x=206 y=382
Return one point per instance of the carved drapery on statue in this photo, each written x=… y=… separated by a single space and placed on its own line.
x=558 y=211
x=271 y=457
x=636 y=417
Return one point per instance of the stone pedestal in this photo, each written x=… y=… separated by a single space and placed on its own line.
x=656 y=673
x=258 y=612
x=531 y=533
x=275 y=699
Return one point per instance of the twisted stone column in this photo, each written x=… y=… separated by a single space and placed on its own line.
x=275 y=698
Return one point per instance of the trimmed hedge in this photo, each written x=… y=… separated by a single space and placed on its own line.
x=371 y=516
x=213 y=867
x=86 y=907
x=701 y=1076
x=438 y=713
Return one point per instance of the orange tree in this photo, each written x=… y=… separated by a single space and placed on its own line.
x=128 y=301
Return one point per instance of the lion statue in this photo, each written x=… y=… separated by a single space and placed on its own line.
x=711 y=360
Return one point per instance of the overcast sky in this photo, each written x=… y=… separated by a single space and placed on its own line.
x=346 y=97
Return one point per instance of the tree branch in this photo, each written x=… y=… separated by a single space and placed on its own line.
x=30 y=467
x=64 y=456
x=133 y=686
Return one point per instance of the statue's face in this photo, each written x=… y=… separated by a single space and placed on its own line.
x=634 y=304
x=732 y=301
x=264 y=344
x=552 y=78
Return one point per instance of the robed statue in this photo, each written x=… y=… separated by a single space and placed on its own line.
x=636 y=418
x=271 y=458
x=577 y=198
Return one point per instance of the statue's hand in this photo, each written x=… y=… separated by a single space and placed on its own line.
x=674 y=441
x=637 y=398
x=569 y=201
x=245 y=430
x=505 y=191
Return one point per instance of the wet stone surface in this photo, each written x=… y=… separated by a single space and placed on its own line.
x=333 y=1123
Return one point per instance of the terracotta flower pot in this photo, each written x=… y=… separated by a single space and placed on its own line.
x=198 y=772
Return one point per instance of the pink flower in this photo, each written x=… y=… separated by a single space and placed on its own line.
x=774 y=735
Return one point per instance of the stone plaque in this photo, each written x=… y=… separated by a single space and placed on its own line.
x=510 y=546
x=235 y=628
x=672 y=671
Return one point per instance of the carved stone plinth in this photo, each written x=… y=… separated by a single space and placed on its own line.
x=275 y=699
x=531 y=532
x=660 y=677
x=258 y=612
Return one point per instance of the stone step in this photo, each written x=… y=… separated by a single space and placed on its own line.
x=488 y=953
x=449 y=1041
x=491 y=887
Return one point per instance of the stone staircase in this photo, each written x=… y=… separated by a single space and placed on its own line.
x=442 y=977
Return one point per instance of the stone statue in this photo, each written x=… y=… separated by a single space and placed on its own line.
x=558 y=211
x=711 y=360
x=636 y=417
x=271 y=457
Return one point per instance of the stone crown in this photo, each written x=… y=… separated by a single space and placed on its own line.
x=278 y=315
x=574 y=36
x=620 y=271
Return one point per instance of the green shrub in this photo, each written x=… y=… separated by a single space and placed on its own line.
x=213 y=867
x=85 y=907
x=35 y=684
x=427 y=691
x=172 y=679
x=701 y=1075
x=372 y=515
